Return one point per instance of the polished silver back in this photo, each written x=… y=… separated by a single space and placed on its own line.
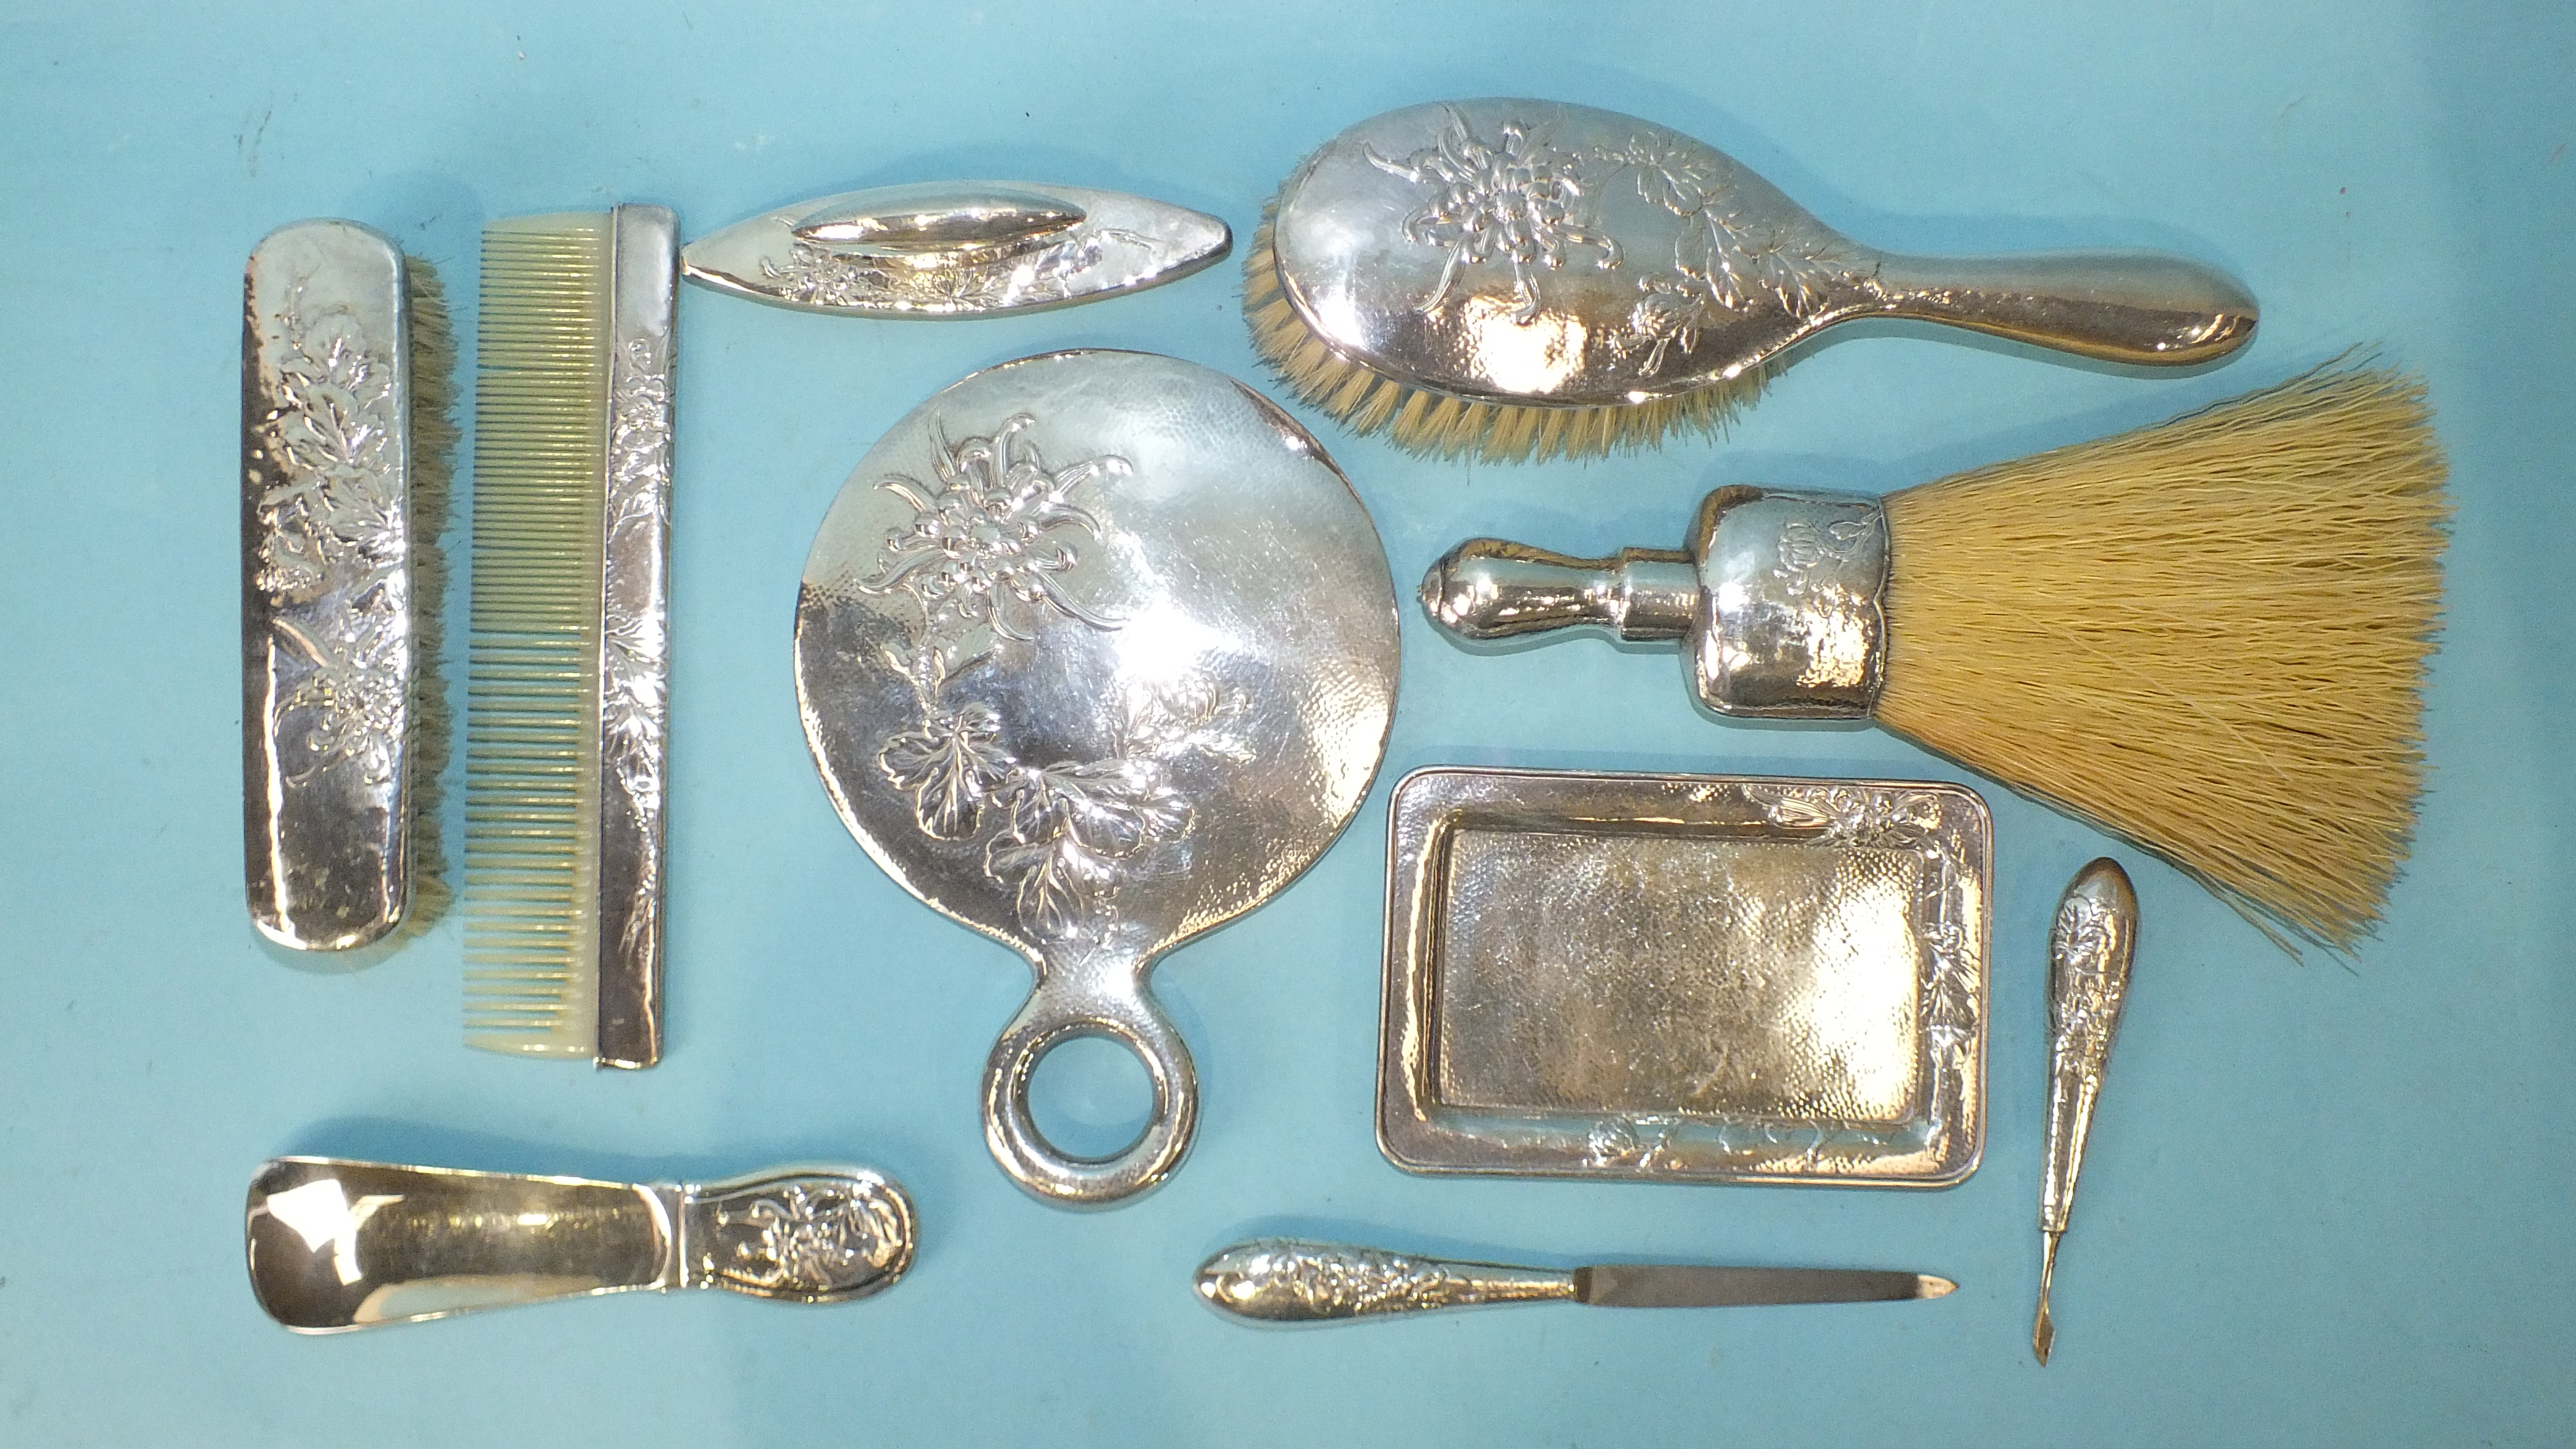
x=1096 y=651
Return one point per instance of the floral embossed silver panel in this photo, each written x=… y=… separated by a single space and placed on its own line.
x=1693 y=978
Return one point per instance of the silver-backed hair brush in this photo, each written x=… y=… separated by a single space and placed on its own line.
x=1524 y=278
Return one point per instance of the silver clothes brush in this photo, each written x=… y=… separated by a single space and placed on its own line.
x=1524 y=278
x=2209 y=636
x=566 y=719
x=336 y=1245
x=345 y=360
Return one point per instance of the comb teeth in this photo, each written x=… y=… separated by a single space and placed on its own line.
x=532 y=737
x=1420 y=420
x=571 y=474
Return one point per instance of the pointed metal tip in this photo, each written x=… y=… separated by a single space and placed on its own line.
x=1435 y=593
x=2043 y=1336
x=1927 y=1286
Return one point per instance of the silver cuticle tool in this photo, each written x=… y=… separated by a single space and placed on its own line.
x=2088 y=980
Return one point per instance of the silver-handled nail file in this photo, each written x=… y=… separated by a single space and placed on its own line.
x=1282 y=1281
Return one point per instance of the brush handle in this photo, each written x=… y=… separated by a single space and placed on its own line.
x=2117 y=306
x=336 y=1245
x=1487 y=589
x=1777 y=599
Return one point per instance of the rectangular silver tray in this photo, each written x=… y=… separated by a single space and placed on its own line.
x=1687 y=978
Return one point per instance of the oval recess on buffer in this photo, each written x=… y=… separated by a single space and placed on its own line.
x=938 y=220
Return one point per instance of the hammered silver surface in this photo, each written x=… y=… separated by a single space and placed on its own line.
x=1698 y=978
x=1528 y=251
x=1096 y=650
x=1753 y=978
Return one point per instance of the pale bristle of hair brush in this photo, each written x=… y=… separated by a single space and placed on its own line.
x=2209 y=637
x=532 y=738
x=433 y=468
x=1421 y=420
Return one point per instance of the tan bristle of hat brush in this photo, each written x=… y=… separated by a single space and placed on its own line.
x=346 y=446
x=1521 y=279
x=2208 y=636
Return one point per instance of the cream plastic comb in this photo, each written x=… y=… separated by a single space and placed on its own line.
x=566 y=701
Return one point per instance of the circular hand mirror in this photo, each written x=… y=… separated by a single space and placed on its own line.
x=1096 y=651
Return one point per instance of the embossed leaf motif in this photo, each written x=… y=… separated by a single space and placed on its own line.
x=1345 y=1282
x=334 y=524
x=1069 y=827
x=810 y=1241
x=1517 y=200
x=1803 y=545
x=292 y=566
x=1670 y=173
x=354 y=716
x=984 y=550
x=950 y=766
x=1853 y=815
x=2083 y=940
x=987 y=542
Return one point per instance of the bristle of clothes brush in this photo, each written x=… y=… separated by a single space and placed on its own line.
x=566 y=697
x=1524 y=279
x=345 y=453
x=434 y=436
x=2208 y=637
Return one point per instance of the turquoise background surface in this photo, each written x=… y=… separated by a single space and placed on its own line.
x=2328 y=1203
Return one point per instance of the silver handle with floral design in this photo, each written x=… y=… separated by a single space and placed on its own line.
x=336 y=1245
x=2088 y=981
